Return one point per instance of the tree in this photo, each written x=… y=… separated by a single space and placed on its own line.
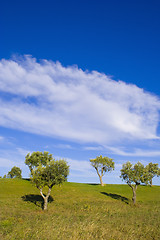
x=133 y=176
x=15 y=172
x=102 y=165
x=36 y=159
x=46 y=172
x=151 y=170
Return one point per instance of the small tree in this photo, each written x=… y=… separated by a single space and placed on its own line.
x=15 y=172
x=133 y=176
x=102 y=165
x=151 y=170
x=46 y=172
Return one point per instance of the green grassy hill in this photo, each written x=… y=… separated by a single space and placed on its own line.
x=78 y=211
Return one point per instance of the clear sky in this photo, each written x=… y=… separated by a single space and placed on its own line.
x=80 y=79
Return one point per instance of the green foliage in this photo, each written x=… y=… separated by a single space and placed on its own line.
x=54 y=172
x=132 y=174
x=102 y=165
x=37 y=158
x=45 y=170
x=15 y=172
x=151 y=170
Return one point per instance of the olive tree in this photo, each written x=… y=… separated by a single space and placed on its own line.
x=151 y=170
x=102 y=165
x=46 y=172
x=15 y=172
x=133 y=176
x=37 y=158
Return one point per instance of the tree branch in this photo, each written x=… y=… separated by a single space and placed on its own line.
x=40 y=189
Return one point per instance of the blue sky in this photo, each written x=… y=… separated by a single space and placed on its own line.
x=80 y=79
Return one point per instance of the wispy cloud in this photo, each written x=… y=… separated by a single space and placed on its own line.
x=136 y=153
x=4 y=162
x=94 y=148
x=81 y=166
x=49 y=99
x=63 y=146
x=22 y=152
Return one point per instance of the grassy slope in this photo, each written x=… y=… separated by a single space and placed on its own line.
x=78 y=211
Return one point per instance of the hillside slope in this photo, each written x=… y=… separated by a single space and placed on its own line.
x=78 y=211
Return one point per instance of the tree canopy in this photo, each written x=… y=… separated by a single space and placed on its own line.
x=36 y=159
x=15 y=172
x=151 y=170
x=102 y=165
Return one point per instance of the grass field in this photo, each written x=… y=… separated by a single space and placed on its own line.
x=78 y=211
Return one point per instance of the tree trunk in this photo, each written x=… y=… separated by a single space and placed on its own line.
x=45 y=203
x=134 y=188
x=151 y=182
x=45 y=198
x=134 y=195
x=100 y=177
x=102 y=184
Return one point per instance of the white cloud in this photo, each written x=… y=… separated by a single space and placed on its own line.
x=49 y=99
x=136 y=153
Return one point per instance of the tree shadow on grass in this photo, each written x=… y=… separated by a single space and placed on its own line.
x=26 y=179
x=36 y=199
x=117 y=197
